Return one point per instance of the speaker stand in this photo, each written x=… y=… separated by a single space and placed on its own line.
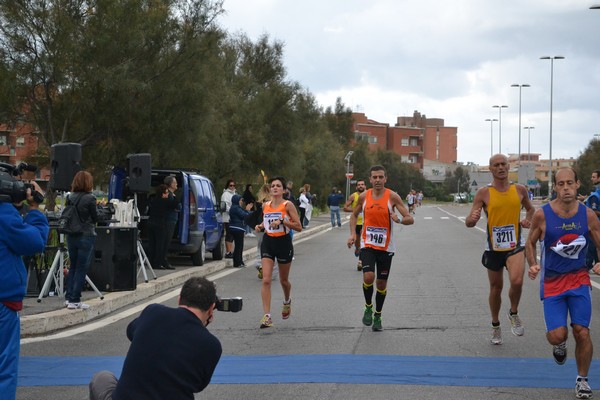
x=143 y=261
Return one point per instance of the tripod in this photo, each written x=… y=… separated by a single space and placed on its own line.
x=143 y=260
x=56 y=272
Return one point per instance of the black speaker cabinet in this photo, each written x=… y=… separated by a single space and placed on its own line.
x=65 y=163
x=139 y=167
x=115 y=259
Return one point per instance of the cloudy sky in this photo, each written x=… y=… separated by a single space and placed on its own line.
x=447 y=59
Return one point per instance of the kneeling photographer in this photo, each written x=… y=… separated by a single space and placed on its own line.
x=18 y=237
x=172 y=355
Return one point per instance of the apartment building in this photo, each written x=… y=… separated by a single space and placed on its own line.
x=423 y=142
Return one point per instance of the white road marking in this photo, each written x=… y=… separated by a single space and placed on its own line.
x=88 y=327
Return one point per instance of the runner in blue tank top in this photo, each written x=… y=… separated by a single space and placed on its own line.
x=564 y=228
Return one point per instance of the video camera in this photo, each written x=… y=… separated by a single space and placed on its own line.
x=13 y=190
x=233 y=304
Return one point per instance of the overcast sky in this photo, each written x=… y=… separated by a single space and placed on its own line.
x=447 y=59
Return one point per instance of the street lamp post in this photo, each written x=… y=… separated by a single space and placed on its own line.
x=347 y=159
x=499 y=126
x=551 y=94
x=520 y=86
x=529 y=128
x=491 y=135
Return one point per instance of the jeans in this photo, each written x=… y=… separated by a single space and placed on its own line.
x=335 y=213
x=81 y=251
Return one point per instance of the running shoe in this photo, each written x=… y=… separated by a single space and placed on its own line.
x=266 y=322
x=368 y=316
x=516 y=326
x=78 y=306
x=377 y=323
x=582 y=389
x=260 y=275
x=359 y=266
x=286 y=310
x=496 y=335
x=560 y=353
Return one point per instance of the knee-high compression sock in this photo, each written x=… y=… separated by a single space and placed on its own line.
x=368 y=292
x=379 y=299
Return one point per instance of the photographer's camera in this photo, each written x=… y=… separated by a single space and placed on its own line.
x=233 y=304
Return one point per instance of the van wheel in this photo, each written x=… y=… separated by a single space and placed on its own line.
x=199 y=256
x=219 y=251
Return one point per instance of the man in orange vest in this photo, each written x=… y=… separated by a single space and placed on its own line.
x=378 y=206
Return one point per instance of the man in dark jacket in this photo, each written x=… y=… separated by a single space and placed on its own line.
x=172 y=354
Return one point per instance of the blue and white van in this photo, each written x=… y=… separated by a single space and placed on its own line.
x=200 y=226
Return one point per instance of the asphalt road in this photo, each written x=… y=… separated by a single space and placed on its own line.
x=435 y=342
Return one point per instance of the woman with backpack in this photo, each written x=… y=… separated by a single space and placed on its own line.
x=81 y=244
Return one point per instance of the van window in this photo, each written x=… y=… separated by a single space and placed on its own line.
x=207 y=187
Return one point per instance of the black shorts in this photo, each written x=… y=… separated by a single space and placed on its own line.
x=496 y=260
x=358 y=232
x=371 y=259
x=277 y=247
x=228 y=235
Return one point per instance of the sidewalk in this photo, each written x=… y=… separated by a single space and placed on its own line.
x=50 y=314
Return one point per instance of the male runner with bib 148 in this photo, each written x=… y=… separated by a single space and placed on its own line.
x=378 y=206
x=502 y=201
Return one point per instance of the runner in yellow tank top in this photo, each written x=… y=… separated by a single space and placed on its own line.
x=349 y=207
x=502 y=203
x=379 y=206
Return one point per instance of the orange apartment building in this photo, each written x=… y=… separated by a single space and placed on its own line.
x=17 y=143
x=423 y=142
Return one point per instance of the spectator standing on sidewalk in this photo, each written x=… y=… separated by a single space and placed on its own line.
x=303 y=204
x=171 y=218
x=249 y=198
x=237 y=227
x=228 y=193
x=334 y=200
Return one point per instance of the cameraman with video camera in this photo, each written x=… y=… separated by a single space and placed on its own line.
x=18 y=237
x=172 y=355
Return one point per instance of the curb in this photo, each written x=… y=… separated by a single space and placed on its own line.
x=52 y=321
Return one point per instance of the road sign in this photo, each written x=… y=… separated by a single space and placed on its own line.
x=349 y=175
x=474 y=183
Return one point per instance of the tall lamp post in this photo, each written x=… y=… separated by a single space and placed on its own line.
x=551 y=90
x=348 y=174
x=529 y=128
x=491 y=135
x=499 y=126
x=520 y=86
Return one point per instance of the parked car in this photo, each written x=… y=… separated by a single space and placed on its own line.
x=460 y=198
x=200 y=226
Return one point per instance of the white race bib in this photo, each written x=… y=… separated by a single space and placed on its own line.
x=569 y=250
x=504 y=237
x=376 y=236
x=272 y=217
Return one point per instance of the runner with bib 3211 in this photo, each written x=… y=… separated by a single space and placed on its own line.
x=502 y=201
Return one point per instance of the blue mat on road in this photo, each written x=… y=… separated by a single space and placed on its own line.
x=333 y=368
